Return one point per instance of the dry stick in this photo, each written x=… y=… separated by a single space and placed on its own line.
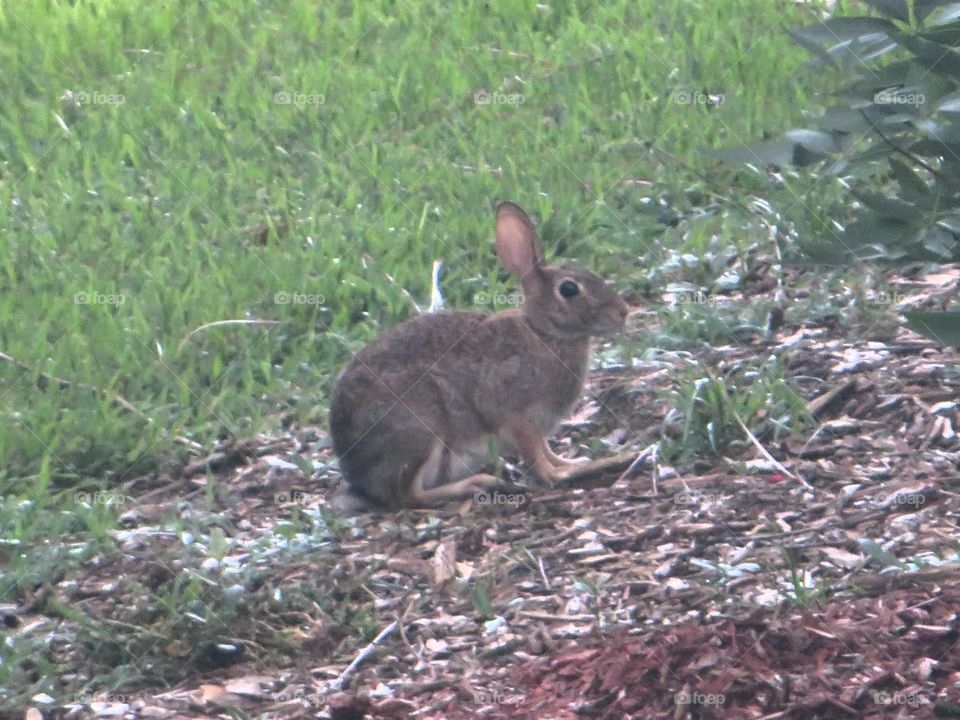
x=543 y=572
x=818 y=405
x=225 y=323
x=842 y=524
x=792 y=533
x=634 y=468
x=115 y=397
x=403 y=633
x=344 y=677
x=763 y=451
x=925 y=576
x=655 y=471
x=781 y=295
x=539 y=560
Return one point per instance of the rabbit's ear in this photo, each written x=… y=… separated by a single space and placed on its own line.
x=518 y=247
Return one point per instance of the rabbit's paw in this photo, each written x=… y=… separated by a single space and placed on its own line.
x=573 y=463
x=484 y=481
x=346 y=502
x=561 y=463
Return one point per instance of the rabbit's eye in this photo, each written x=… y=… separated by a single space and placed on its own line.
x=569 y=289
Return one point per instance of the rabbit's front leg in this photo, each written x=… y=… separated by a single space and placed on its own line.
x=536 y=453
x=533 y=448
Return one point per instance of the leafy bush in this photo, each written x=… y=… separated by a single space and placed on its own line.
x=893 y=135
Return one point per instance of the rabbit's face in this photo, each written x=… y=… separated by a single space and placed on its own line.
x=564 y=302
x=573 y=302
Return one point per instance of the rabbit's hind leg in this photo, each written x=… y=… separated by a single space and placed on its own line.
x=381 y=465
x=429 y=486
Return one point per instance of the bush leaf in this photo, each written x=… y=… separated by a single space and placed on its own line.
x=944 y=327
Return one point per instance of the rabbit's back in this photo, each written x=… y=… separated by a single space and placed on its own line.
x=478 y=364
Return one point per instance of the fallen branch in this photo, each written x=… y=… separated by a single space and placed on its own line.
x=344 y=678
x=651 y=452
x=818 y=406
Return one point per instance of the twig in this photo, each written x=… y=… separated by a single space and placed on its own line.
x=756 y=443
x=225 y=323
x=543 y=572
x=475 y=169
x=344 y=678
x=403 y=633
x=818 y=405
x=792 y=533
x=895 y=580
x=763 y=451
x=634 y=469
x=405 y=293
x=775 y=316
x=845 y=523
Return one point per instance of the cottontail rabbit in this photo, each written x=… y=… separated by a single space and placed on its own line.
x=414 y=409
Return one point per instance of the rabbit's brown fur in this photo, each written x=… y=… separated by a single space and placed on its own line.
x=413 y=409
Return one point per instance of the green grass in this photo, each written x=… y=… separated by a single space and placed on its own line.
x=711 y=410
x=156 y=199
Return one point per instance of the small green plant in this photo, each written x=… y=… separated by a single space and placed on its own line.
x=806 y=593
x=711 y=412
x=706 y=320
x=480 y=598
x=595 y=587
